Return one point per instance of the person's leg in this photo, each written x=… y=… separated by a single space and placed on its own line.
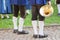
x=41 y=24
x=21 y=20
x=58 y=6
x=55 y=1
x=7 y=15
x=34 y=21
x=2 y=16
x=9 y=9
x=15 y=12
x=28 y=9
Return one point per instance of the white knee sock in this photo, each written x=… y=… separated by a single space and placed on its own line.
x=15 y=22
x=34 y=24
x=7 y=15
x=28 y=11
x=58 y=6
x=41 y=27
x=2 y=16
x=21 y=22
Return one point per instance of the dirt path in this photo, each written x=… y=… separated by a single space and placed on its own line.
x=53 y=34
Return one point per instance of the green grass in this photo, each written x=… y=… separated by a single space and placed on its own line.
x=54 y=18
x=7 y=23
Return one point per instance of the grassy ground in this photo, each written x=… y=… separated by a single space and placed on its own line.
x=7 y=23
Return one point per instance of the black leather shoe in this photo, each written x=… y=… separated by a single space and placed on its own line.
x=15 y=31
x=35 y=36
x=23 y=32
x=43 y=36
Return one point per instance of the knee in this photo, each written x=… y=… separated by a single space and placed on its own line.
x=22 y=16
x=34 y=18
x=41 y=18
x=15 y=15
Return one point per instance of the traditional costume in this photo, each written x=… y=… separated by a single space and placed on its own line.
x=36 y=5
x=19 y=5
x=6 y=7
x=28 y=7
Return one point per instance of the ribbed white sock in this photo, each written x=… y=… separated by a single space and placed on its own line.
x=34 y=24
x=41 y=27
x=21 y=22
x=15 y=23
